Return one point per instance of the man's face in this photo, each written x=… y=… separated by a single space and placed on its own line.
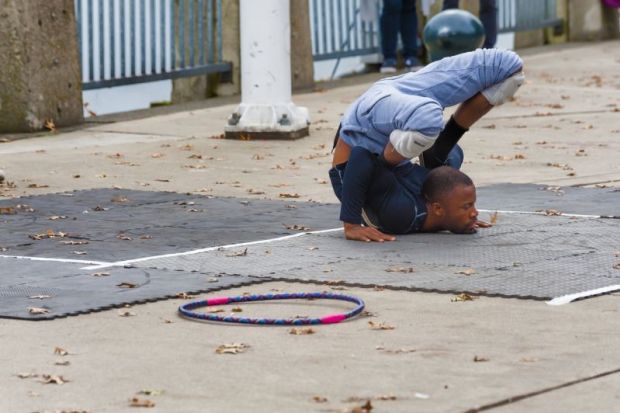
x=461 y=214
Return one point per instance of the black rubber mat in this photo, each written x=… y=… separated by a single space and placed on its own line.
x=107 y=225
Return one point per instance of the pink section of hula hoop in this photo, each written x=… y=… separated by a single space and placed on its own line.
x=218 y=300
x=331 y=319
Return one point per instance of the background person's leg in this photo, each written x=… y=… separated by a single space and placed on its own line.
x=390 y=26
x=450 y=4
x=488 y=17
x=409 y=34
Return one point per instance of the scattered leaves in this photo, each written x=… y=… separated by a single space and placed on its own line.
x=38 y=186
x=101 y=274
x=302 y=331
x=185 y=296
x=126 y=285
x=234 y=348
x=380 y=326
x=319 y=399
x=552 y=212
x=62 y=363
x=237 y=310
x=119 y=199
x=395 y=351
x=493 y=218
x=38 y=310
x=479 y=359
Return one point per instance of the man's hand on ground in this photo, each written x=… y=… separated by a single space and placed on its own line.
x=359 y=233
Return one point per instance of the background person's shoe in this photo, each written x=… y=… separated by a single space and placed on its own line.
x=412 y=64
x=388 y=66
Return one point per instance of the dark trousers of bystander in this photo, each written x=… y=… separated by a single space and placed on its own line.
x=399 y=16
x=488 y=17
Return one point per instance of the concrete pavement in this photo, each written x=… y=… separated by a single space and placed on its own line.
x=562 y=129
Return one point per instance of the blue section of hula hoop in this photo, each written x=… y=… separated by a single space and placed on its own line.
x=186 y=309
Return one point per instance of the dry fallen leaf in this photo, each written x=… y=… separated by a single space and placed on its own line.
x=463 y=297
x=552 y=212
x=237 y=310
x=62 y=363
x=478 y=359
x=39 y=297
x=185 y=296
x=136 y=402
x=49 y=125
x=395 y=351
x=302 y=331
x=101 y=274
x=297 y=227
x=617 y=266
x=60 y=351
x=27 y=375
x=126 y=313
x=38 y=310
x=400 y=269
x=365 y=408
x=493 y=218
x=234 y=348
x=287 y=195
x=380 y=326
x=151 y=392
x=238 y=253
x=468 y=271
x=126 y=285
x=53 y=379
x=319 y=399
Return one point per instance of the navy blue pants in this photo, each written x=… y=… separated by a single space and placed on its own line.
x=488 y=17
x=399 y=16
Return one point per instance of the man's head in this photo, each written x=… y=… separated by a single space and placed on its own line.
x=450 y=198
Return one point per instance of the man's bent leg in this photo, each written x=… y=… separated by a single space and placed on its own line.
x=465 y=116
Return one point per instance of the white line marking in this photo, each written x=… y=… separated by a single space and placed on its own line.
x=561 y=214
x=565 y=299
x=21 y=257
x=198 y=251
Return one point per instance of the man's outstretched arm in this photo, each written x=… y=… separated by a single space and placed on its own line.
x=358 y=174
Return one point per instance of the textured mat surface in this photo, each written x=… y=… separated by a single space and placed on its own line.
x=63 y=289
x=523 y=256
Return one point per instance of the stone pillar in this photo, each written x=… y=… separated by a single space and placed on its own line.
x=40 y=78
x=591 y=20
x=302 y=63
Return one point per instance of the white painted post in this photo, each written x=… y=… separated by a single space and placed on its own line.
x=266 y=110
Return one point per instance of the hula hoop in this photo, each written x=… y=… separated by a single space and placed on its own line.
x=186 y=309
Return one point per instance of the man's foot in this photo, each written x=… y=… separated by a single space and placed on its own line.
x=412 y=64
x=388 y=66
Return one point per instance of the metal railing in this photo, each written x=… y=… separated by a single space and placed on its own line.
x=522 y=15
x=133 y=41
x=338 y=31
